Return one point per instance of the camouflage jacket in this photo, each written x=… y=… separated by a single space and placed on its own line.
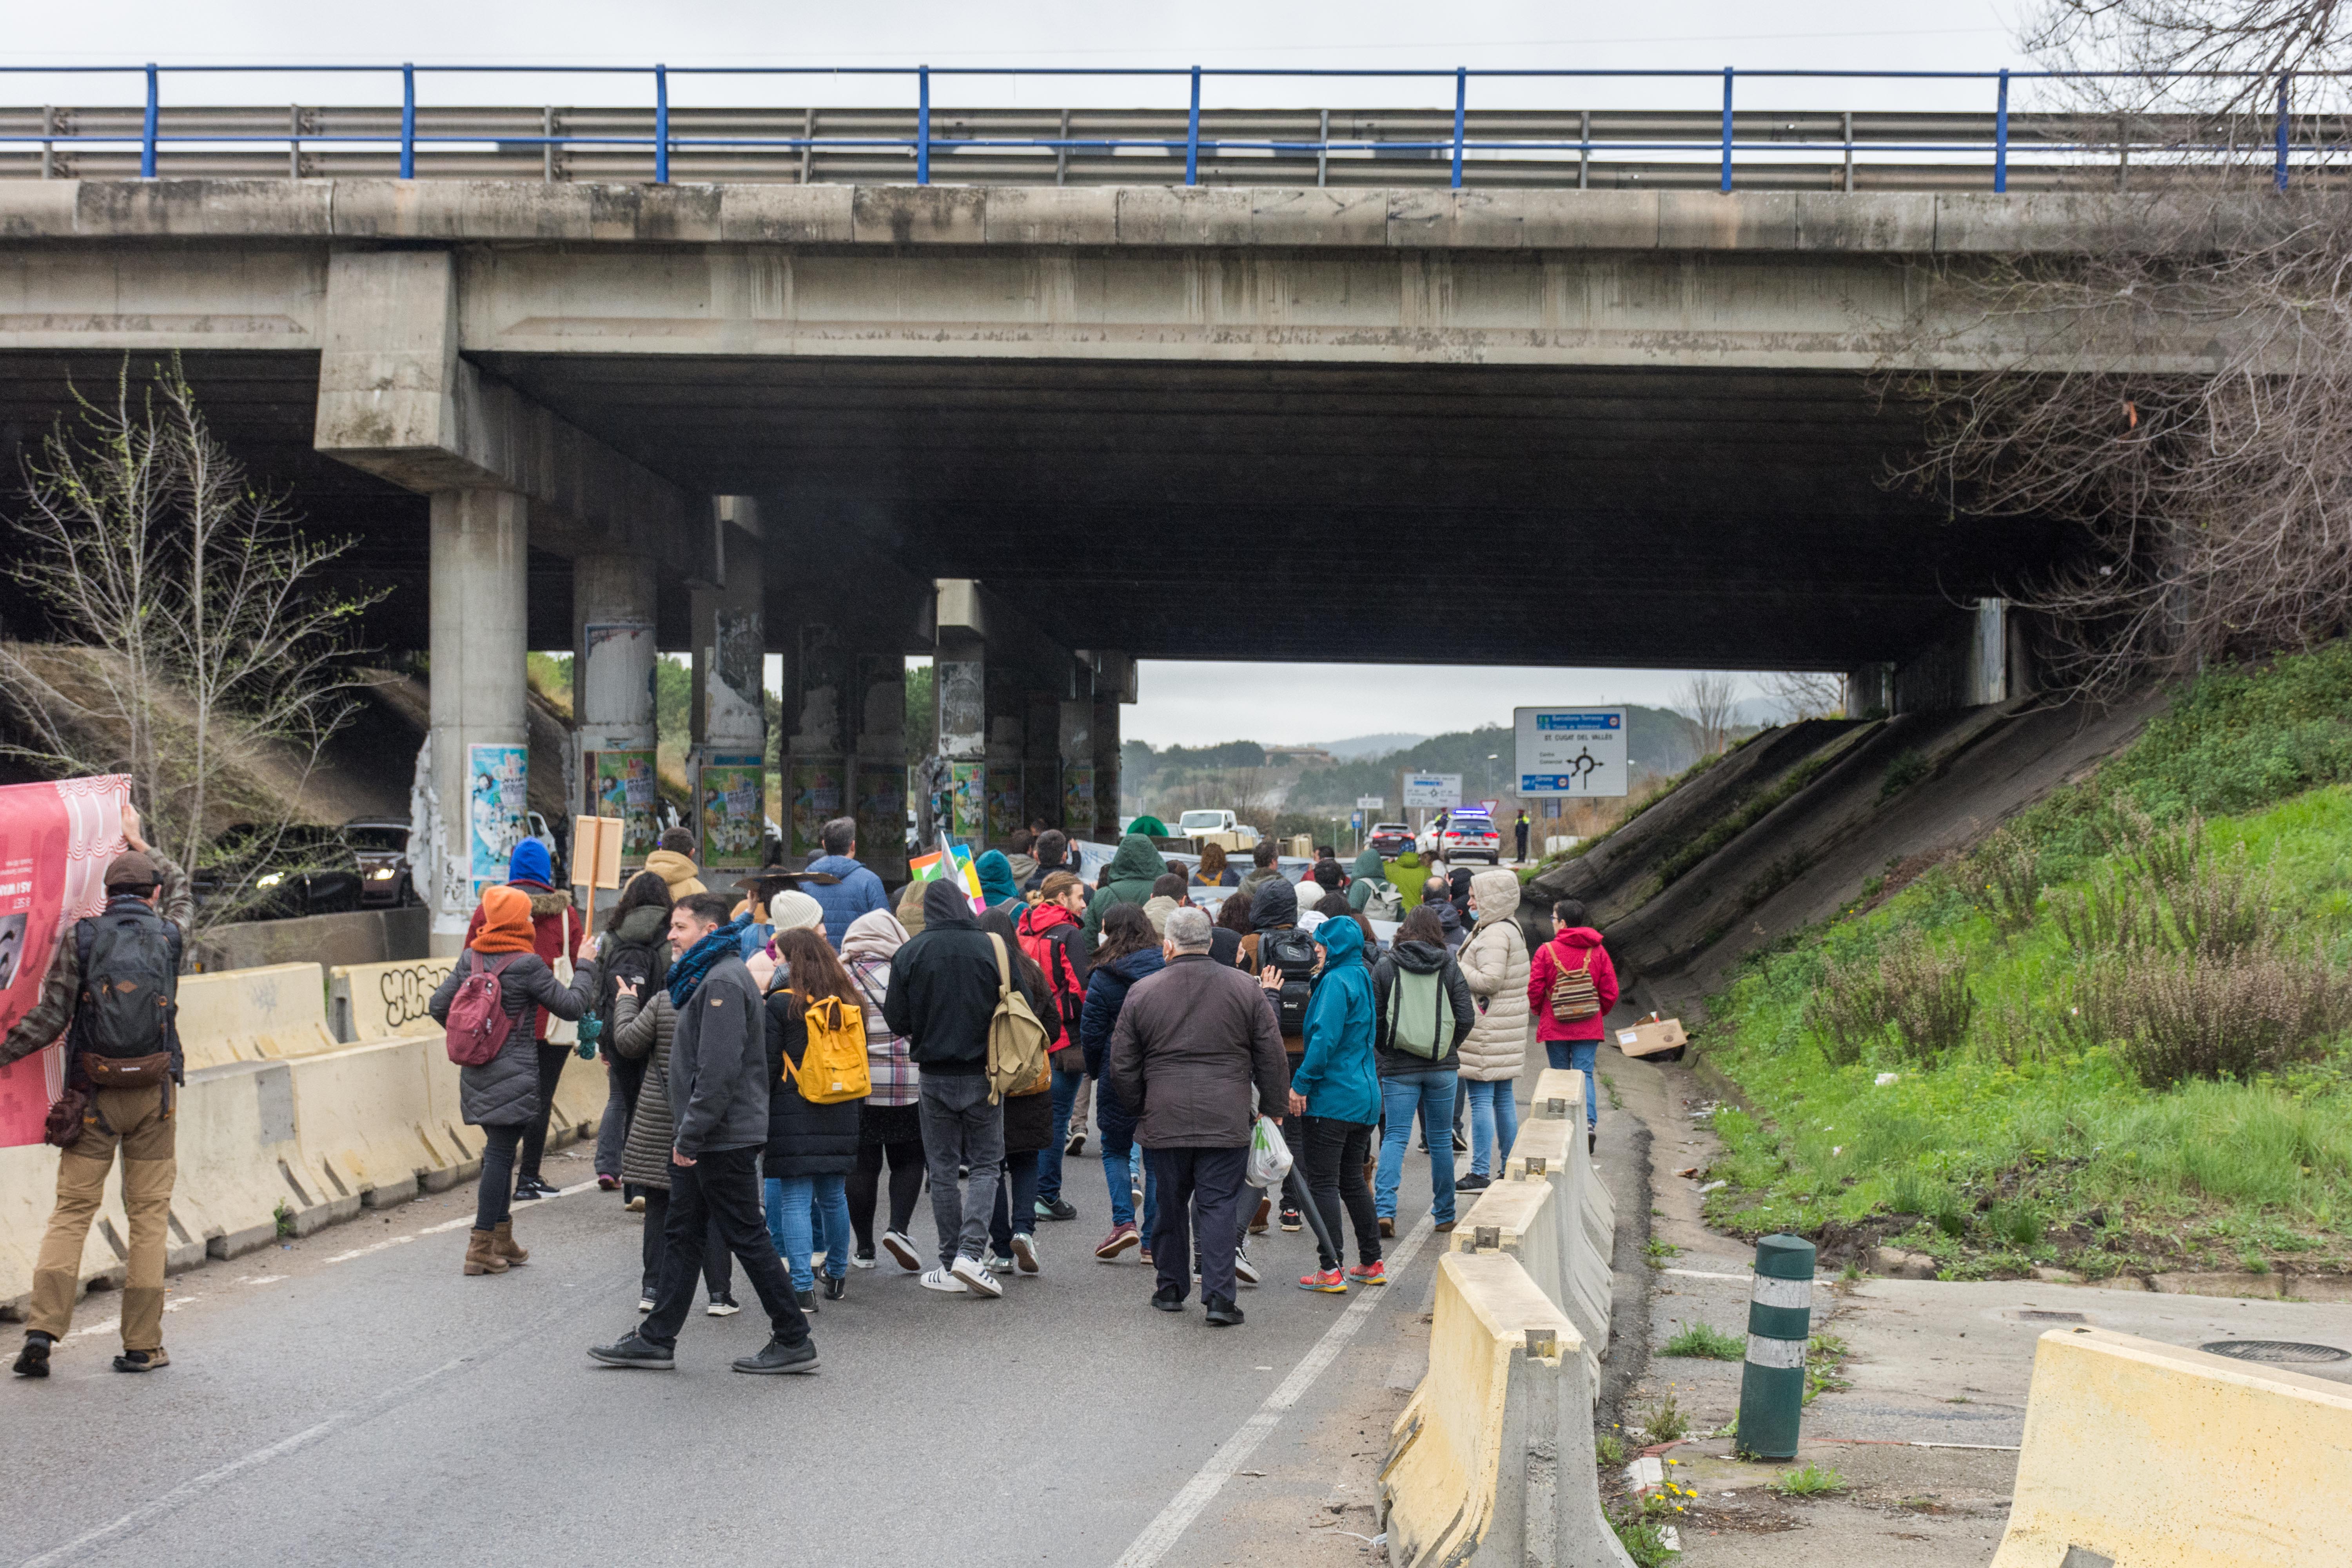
x=52 y=1013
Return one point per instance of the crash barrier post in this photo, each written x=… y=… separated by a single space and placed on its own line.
x=370 y=1001
x=2138 y=1452
x=1548 y=1152
x=1522 y=1220
x=269 y=1013
x=1780 y=1326
x=1491 y=1463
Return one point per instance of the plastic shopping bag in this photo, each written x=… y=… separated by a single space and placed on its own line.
x=1269 y=1155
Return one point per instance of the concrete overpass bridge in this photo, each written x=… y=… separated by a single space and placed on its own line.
x=1042 y=431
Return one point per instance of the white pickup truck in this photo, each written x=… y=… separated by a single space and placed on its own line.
x=1229 y=830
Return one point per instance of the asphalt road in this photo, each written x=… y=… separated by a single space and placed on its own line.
x=353 y=1398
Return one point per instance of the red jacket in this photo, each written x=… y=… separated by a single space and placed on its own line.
x=1578 y=947
x=1055 y=941
x=549 y=908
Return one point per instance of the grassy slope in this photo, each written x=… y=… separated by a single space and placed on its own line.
x=2063 y=1157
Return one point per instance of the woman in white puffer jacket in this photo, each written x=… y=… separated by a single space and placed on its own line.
x=1495 y=961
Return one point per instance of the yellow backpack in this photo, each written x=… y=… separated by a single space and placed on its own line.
x=832 y=1065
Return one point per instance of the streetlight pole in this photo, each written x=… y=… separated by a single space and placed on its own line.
x=1490 y=773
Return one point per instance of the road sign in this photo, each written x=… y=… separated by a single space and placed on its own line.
x=1370 y=802
x=1432 y=792
x=1570 y=750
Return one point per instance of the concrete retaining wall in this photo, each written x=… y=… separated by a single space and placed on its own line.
x=365 y=936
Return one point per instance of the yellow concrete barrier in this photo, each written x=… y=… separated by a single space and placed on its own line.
x=2140 y=1453
x=1491 y=1463
x=364 y=1115
x=1523 y=1220
x=253 y=1014
x=372 y=1001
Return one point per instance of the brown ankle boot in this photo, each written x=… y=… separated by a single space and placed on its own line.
x=502 y=1243
x=481 y=1254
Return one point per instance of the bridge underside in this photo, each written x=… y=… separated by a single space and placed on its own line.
x=1708 y=517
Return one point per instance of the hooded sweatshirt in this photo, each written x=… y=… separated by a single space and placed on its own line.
x=680 y=873
x=1416 y=958
x=1054 y=932
x=1132 y=871
x=1577 y=947
x=997 y=883
x=1336 y=1074
x=1371 y=875
x=943 y=986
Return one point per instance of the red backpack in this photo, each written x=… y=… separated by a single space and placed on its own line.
x=1053 y=958
x=478 y=1021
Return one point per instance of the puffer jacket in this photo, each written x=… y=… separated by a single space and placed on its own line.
x=642 y=1032
x=804 y=1139
x=638 y=951
x=556 y=929
x=504 y=1091
x=1495 y=961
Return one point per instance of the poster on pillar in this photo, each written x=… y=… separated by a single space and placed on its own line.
x=968 y=802
x=1003 y=801
x=497 y=794
x=1078 y=800
x=881 y=813
x=55 y=842
x=817 y=786
x=964 y=708
x=624 y=788
x=730 y=791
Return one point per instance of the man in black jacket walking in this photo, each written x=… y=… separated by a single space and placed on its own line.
x=719 y=1091
x=943 y=990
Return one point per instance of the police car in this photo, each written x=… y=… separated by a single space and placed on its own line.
x=1471 y=836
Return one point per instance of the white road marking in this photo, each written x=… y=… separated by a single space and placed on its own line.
x=109 y=1325
x=466 y=1222
x=373 y=1247
x=1164 y=1532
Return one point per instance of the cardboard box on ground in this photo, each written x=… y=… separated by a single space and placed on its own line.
x=1652 y=1035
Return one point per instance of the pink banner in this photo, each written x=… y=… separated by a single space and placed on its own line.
x=55 y=842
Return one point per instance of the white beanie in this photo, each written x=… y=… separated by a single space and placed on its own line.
x=792 y=910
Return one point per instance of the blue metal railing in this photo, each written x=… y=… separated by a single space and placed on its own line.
x=1460 y=145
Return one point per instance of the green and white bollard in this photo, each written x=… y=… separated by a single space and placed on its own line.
x=1780 y=1320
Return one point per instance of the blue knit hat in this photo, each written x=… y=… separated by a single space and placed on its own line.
x=530 y=864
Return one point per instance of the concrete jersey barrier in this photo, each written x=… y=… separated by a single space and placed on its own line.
x=372 y=1001
x=253 y=1014
x=2142 y=1453
x=1491 y=1465
x=1522 y=1220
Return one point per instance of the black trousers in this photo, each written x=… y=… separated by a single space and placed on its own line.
x=534 y=1136
x=718 y=1264
x=864 y=1187
x=721 y=1186
x=494 y=1192
x=1333 y=1161
x=1200 y=1194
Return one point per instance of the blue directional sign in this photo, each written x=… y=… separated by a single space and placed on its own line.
x=1570 y=750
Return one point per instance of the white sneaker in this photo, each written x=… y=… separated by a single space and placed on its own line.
x=1025 y=1253
x=861 y=1260
x=901 y=1247
x=944 y=1280
x=996 y=1263
x=976 y=1278
x=722 y=1308
x=1244 y=1269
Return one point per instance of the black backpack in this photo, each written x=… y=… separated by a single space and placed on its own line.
x=130 y=984
x=1293 y=953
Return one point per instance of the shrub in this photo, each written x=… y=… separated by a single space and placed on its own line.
x=2004 y=879
x=1907 y=769
x=2229 y=1016
x=1665 y=1421
x=1846 y=1011
x=1927 y=996
x=1706 y=1343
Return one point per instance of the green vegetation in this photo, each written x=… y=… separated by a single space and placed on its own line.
x=1732 y=823
x=1706 y=1343
x=1810 y=1480
x=2118 y=1037
x=1644 y=1542
x=1665 y=1421
x=1610 y=1448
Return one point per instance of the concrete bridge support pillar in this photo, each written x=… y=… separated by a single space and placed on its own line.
x=1041 y=758
x=878 y=773
x=1076 y=738
x=814 y=750
x=959 y=685
x=1114 y=685
x=613 y=605
x=479 y=738
x=728 y=766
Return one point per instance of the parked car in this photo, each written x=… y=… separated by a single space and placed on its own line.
x=1471 y=836
x=380 y=845
x=1200 y=827
x=281 y=874
x=1390 y=839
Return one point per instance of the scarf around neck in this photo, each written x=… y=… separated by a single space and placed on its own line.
x=687 y=972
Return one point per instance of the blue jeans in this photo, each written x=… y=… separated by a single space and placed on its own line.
x=1432 y=1094
x=1578 y=1053
x=790 y=1226
x=1049 y=1159
x=1117 y=1131
x=1494 y=1123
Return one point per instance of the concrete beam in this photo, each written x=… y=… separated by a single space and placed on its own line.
x=1149 y=216
x=398 y=400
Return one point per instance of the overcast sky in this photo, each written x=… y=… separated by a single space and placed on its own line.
x=1187 y=704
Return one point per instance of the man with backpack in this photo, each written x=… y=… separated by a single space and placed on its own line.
x=1055 y=941
x=1371 y=894
x=112 y=991
x=947 y=987
x=718 y=1093
x=1421 y=1011
x=1192 y=1045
